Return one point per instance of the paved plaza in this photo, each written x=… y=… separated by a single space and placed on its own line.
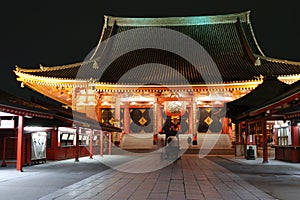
x=120 y=177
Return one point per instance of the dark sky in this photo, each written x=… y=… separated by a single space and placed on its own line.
x=62 y=32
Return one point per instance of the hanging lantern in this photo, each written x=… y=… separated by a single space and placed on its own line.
x=174 y=108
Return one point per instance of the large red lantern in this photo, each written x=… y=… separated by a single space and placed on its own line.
x=174 y=108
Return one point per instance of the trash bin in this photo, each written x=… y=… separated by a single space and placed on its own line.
x=250 y=153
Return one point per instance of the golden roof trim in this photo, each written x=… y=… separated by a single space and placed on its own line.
x=52 y=68
x=24 y=76
x=207 y=87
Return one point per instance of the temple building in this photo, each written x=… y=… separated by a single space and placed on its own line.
x=154 y=76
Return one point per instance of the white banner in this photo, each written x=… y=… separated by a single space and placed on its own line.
x=38 y=145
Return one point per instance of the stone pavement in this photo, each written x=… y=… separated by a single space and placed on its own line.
x=192 y=177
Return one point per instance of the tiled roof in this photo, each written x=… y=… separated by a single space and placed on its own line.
x=227 y=39
x=268 y=90
x=271 y=94
x=289 y=93
x=15 y=105
x=48 y=114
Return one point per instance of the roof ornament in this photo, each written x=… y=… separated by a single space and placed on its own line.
x=257 y=62
x=95 y=65
x=260 y=77
x=41 y=67
x=17 y=68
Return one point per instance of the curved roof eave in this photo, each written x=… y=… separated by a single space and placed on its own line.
x=276 y=60
x=22 y=76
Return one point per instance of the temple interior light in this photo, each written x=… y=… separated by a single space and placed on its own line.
x=35 y=128
x=105 y=103
x=82 y=92
x=281 y=124
x=65 y=106
x=66 y=129
x=200 y=102
x=276 y=125
x=91 y=103
x=285 y=124
x=6 y=114
x=137 y=98
x=80 y=103
x=218 y=102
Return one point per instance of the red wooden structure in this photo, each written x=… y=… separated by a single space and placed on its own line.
x=15 y=139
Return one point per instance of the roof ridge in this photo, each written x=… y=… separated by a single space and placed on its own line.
x=254 y=37
x=183 y=20
x=245 y=44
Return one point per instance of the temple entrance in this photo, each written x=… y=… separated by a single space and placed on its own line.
x=171 y=126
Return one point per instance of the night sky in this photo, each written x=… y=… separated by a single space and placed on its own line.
x=62 y=32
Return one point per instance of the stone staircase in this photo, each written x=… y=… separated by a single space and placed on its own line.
x=137 y=141
x=213 y=140
x=207 y=144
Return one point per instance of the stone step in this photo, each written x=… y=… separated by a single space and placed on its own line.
x=213 y=141
x=230 y=151
x=191 y=150
x=143 y=142
x=137 y=141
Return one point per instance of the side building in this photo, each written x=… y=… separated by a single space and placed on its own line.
x=32 y=132
x=267 y=119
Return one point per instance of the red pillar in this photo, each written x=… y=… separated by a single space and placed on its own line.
x=265 y=142
x=225 y=125
x=91 y=143
x=159 y=118
x=20 y=144
x=101 y=143
x=77 y=145
x=55 y=143
x=191 y=122
x=99 y=113
x=295 y=135
x=126 y=118
x=238 y=132
x=109 y=143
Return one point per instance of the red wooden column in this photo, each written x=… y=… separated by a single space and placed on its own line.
x=91 y=143
x=77 y=144
x=265 y=142
x=195 y=135
x=191 y=121
x=55 y=143
x=109 y=143
x=20 y=144
x=159 y=117
x=126 y=118
x=101 y=143
x=99 y=113
x=295 y=135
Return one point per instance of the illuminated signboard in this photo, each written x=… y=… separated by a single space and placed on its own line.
x=7 y=123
